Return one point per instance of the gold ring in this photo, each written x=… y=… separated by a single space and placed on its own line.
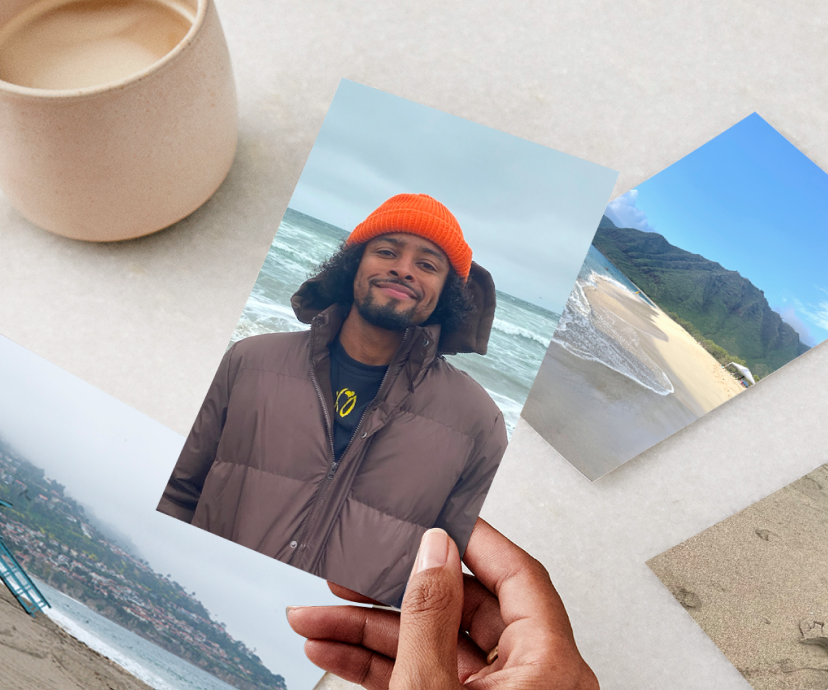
x=491 y=656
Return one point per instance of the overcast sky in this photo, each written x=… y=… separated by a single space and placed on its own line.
x=528 y=212
x=116 y=461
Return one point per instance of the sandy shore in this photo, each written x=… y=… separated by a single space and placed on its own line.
x=757 y=584
x=36 y=653
x=700 y=382
x=598 y=418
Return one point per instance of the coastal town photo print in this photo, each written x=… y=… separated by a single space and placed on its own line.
x=149 y=602
x=701 y=282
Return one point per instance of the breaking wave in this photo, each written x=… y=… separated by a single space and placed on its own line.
x=589 y=334
x=519 y=331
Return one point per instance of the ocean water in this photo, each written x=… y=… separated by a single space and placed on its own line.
x=587 y=334
x=154 y=666
x=520 y=335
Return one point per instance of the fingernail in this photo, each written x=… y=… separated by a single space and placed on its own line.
x=433 y=550
x=288 y=609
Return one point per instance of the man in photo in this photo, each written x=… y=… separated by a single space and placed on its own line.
x=334 y=449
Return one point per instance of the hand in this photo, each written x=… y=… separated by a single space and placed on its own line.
x=449 y=624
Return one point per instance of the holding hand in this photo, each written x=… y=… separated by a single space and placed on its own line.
x=503 y=628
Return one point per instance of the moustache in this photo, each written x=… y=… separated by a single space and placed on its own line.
x=380 y=282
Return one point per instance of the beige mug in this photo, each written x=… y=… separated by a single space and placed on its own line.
x=126 y=158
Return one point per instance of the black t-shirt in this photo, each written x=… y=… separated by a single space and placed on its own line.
x=354 y=386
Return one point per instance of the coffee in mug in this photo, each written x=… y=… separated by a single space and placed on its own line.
x=77 y=44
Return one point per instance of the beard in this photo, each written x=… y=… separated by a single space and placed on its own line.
x=385 y=316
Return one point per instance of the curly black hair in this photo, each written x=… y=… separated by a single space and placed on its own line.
x=336 y=275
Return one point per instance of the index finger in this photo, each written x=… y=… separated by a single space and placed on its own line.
x=351 y=595
x=520 y=583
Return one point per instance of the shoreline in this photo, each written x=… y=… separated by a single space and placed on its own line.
x=699 y=380
x=38 y=653
x=598 y=418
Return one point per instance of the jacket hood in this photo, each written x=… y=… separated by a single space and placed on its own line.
x=471 y=336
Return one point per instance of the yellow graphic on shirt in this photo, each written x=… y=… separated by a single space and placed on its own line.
x=345 y=401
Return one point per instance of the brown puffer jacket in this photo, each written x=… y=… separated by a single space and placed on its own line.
x=258 y=465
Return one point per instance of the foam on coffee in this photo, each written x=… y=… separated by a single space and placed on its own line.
x=85 y=43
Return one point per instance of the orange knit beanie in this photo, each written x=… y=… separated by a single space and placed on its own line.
x=418 y=214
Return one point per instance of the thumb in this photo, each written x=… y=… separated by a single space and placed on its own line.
x=430 y=617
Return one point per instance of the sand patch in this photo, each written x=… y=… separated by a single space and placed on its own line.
x=620 y=378
x=759 y=581
x=699 y=380
x=37 y=653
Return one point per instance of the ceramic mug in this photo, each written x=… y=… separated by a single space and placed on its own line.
x=127 y=158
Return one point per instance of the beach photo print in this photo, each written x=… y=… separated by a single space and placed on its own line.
x=149 y=601
x=756 y=584
x=389 y=342
x=701 y=282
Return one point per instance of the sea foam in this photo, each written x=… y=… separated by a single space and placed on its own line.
x=510 y=408
x=587 y=334
x=97 y=644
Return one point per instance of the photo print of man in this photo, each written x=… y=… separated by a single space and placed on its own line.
x=376 y=372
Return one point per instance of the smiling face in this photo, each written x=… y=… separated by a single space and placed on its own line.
x=399 y=280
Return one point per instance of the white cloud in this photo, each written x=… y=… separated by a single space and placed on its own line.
x=812 y=318
x=624 y=214
x=790 y=317
x=817 y=315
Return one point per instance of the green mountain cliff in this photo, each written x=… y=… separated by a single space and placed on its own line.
x=725 y=307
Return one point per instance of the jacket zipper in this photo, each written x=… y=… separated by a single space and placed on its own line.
x=379 y=390
x=299 y=544
x=323 y=490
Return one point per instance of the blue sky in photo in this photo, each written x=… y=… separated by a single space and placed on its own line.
x=751 y=201
x=528 y=212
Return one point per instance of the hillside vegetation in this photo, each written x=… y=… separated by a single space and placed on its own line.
x=54 y=539
x=722 y=306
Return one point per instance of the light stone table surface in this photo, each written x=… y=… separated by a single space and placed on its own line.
x=630 y=85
